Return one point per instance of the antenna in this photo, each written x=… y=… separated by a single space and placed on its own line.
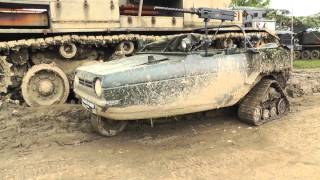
x=292 y=37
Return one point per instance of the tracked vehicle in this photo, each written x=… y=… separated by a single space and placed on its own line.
x=189 y=73
x=43 y=41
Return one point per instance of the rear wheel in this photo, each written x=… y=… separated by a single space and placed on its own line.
x=106 y=127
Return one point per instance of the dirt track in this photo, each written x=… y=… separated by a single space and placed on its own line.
x=58 y=143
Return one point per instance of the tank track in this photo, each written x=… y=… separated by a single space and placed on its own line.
x=6 y=74
x=255 y=98
x=40 y=43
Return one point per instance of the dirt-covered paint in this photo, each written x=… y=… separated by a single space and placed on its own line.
x=208 y=83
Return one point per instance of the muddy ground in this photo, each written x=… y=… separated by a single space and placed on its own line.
x=58 y=143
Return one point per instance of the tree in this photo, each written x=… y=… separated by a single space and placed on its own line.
x=252 y=3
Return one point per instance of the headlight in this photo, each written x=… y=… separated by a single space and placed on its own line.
x=185 y=44
x=98 y=87
x=76 y=80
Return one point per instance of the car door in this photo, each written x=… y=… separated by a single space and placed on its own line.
x=215 y=81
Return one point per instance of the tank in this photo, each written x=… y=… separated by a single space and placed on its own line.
x=42 y=41
x=188 y=73
x=309 y=40
x=286 y=40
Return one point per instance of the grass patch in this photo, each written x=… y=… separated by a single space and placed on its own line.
x=306 y=64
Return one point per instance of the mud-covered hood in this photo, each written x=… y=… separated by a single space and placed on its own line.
x=133 y=70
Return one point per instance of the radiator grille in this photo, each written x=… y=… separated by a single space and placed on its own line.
x=86 y=83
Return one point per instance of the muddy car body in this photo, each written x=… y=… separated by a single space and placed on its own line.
x=174 y=77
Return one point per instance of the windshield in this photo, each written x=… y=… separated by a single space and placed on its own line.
x=173 y=43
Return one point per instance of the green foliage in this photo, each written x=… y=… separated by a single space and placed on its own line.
x=299 y=22
x=311 y=21
x=251 y=3
x=306 y=64
x=283 y=21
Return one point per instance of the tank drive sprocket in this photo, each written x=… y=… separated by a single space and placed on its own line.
x=6 y=74
x=264 y=103
x=45 y=84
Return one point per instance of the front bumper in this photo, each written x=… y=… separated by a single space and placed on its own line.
x=94 y=104
x=89 y=97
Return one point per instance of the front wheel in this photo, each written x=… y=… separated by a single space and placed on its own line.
x=106 y=127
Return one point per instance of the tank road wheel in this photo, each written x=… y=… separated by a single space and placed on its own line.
x=306 y=54
x=228 y=43
x=265 y=102
x=68 y=50
x=315 y=54
x=297 y=55
x=106 y=127
x=45 y=84
x=127 y=47
x=6 y=74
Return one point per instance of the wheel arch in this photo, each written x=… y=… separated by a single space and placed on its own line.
x=281 y=77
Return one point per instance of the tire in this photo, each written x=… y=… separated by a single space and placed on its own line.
x=306 y=54
x=106 y=127
x=315 y=54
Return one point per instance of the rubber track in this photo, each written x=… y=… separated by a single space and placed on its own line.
x=254 y=98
